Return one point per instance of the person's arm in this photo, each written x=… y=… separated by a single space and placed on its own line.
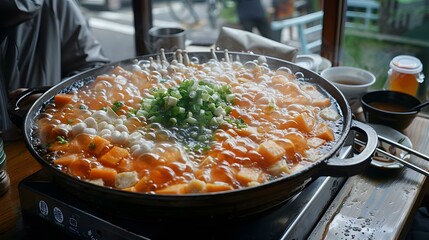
x=79 y=48
x=4 y=117
x=13 y=12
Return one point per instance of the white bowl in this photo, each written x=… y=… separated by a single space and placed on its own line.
x=325 y=64
x=308 y=61
x=351 y=81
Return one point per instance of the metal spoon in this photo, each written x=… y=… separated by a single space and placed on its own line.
x=418 y=107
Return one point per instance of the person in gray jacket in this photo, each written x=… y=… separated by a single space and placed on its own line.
x=41 y=43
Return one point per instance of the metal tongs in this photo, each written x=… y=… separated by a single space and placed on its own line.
x=402 y=161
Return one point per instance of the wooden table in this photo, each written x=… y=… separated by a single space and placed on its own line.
x=20 y=164
x=376 y=204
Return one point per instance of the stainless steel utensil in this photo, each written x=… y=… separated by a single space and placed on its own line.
x=402 y=161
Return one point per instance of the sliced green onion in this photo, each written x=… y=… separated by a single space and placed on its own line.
x=230 y=97
x=203 y=104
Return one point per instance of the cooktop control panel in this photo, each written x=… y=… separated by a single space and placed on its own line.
x=42 y=204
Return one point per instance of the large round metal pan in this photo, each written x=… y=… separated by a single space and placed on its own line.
x=229 y=204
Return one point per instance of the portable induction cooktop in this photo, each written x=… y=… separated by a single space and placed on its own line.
x=50 y=211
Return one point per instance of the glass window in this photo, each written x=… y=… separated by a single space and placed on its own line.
x=297 y=23
x=378 y=30
x=111 y=21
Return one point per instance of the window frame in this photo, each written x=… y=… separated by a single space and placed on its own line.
x=333 y=30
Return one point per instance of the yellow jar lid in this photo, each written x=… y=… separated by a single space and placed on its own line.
x=406 y=64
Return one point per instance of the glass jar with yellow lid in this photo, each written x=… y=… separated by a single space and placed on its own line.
x=405 y=74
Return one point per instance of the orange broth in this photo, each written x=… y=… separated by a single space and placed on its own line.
x=391 y=107
x=281 y=130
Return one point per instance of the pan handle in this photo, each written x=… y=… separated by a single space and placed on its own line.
x=342 y=167
x=16 y=112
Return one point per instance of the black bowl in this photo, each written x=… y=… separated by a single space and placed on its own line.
x=398 y=118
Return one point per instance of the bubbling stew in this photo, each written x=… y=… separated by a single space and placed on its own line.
x=184 y=127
